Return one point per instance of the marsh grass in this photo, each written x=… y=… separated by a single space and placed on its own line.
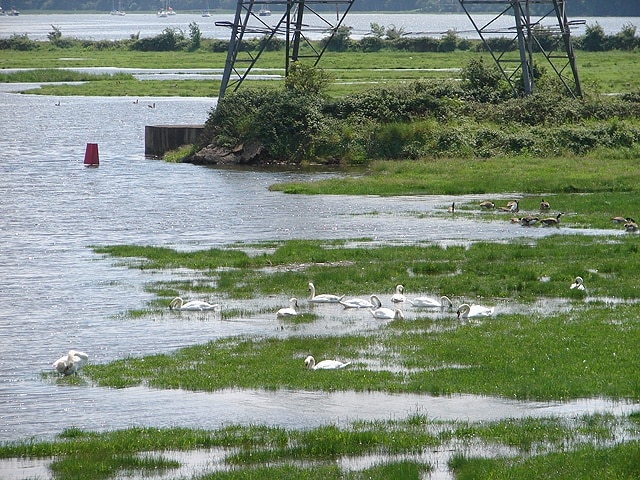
x=258 y=452
x=600 y=72
x=588 y=462
x=58 y=75
x=584 y=353
x=522 y=270
x=458 y=176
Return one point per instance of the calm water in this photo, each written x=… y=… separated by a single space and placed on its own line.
x=105 y=26
x=55 y=294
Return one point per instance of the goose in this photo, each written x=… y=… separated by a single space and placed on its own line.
x=487 y=204
x=178 y=304
x=512 y=207
x=311 y=364
x=529 y=220
x=544 y=205
x=289 y=311
x=622 y=219
x=631 y=227
x=324 y=297
x=467 y=311
x=57 y=104
x=578 y=283
x=551 y=220
x=71 y=363
x=398 y=297
x=452 y=208
x=427 y=302
x=357 y=303
x=152 y=105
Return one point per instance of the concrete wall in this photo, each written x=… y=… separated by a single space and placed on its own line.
x=159 y=139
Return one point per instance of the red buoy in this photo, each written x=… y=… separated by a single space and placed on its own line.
x=91 y=157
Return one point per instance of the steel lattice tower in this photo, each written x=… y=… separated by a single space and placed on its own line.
x=529 y=35
x=303 y=17
x=300 y=18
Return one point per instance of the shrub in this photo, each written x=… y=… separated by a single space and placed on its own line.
x=483 y=83
x=306 y=79
x=339 y=41
x=169 y=40
x=18 y=42
x=195 y=37
x=371 y=44
x=594 y=39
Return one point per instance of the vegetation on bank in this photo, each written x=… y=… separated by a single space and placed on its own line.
x=260 y=452
x=473 y=118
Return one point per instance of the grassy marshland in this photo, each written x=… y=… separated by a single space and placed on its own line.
x=256 y=452
x=600 y=72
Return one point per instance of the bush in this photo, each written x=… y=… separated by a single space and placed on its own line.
x=594 y=39
x=18 y=42
x=169 y=40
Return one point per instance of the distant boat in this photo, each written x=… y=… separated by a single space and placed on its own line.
x=167 y=11
x=118 y=11
x=264 y=12
x=13 y=12
x=206 y=13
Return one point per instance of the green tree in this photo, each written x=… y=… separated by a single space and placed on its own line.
x=306 y=79
x=195 y=37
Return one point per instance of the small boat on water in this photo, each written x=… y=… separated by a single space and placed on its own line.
x=117 y=11
x=264 y=12
x=11 y=13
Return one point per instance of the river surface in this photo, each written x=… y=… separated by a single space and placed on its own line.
x=56 y=294
x=110 y=27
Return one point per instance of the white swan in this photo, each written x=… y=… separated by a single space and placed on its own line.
x=323 y=298
x=357 y=303
x=383 y=313
x=578 y=283
x=178 y=304
x=289 y=311
x=311 y=364
x=427 y=302
x=467 y=311
x=398 y=297
x=71 y=363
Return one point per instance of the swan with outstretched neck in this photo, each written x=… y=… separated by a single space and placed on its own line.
x=324 y=297
x=179 y=304
x=71 y=363
x=383 y=313
x=467 y=311
x=311 y=364
x=428 y=302
x=289 y=311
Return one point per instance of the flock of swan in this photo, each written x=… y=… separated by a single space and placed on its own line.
x=74 y=360
x=374 y=305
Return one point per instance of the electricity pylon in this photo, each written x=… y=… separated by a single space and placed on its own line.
x=299 y=18
x=531 y=35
